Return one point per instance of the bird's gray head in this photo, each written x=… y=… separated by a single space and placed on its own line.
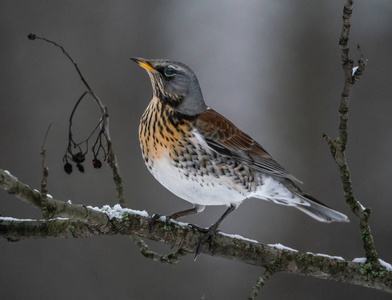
x=175 y=84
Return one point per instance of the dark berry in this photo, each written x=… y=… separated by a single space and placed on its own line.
x=78 y=157
x=31 y=36
x=68 y=168
x=97 y=163
x=80 y=167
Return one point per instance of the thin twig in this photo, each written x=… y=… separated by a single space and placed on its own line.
x=357 y=208
x=338 y=146
x=262 y=280
x=45 y=169
x=347 y=64
x=351 y=74
x=171 y=259
x=103 y=124
x=33 y=36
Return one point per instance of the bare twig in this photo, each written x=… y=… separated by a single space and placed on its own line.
x=103 y=125
x=262 y=280
x=351 y=75
x=45 y=169
x=33 y=36
x=338 y=146
x=171 y=259
x=357 y=208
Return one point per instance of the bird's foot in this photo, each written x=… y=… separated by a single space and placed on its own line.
x=198 y=228
x=209 y=233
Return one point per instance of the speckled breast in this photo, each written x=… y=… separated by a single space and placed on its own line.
x=180 y=160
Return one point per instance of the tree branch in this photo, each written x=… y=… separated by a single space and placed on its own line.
x=338 y=146
x=85 y=221
x=171 y=259
x=262 y=280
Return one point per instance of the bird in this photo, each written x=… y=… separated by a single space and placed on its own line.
x=202 y=157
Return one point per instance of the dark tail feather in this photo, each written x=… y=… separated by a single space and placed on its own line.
x=321 y=212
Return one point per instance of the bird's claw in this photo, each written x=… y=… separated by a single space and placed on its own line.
x=198 y=228
x=209 y=233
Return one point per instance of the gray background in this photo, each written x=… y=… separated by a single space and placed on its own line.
x=272 y=67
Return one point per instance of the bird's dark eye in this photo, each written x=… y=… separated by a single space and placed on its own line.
x=170 y=72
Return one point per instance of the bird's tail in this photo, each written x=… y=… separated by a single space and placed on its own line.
x=313 y=207
x=320 y=211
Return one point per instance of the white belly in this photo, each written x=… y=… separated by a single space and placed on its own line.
x=205 y=190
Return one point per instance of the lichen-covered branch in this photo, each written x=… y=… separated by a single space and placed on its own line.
x=45 y=169
x=171 y=259
x=338 y=146
x=82 y=221
x=351 y=73
x=262 y=280
x=52 y=208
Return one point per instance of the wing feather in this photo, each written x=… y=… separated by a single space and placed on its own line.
x=223 y=137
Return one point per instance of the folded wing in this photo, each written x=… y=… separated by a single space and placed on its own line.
x=226 y=139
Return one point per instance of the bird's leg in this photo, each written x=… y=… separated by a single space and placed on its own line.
x=210 y=232
x=194 y=210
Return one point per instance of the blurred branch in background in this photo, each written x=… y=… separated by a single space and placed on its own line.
x=64 y=219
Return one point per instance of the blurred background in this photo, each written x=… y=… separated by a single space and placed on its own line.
x=271 y=67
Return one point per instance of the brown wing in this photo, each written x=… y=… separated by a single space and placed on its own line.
x=225 y=138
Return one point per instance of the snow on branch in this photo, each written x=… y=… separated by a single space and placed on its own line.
x=76 y=221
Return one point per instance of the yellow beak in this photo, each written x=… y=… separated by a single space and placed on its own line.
x=143 y=63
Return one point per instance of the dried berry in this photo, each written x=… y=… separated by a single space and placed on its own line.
x=80 y=167
x=97 y=163
x=78 y=157
x=31 y=36
x=68 y=168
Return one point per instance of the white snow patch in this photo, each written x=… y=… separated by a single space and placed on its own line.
x=164 y=219
x=326 y=255
x=175 y=221
x=239 y=237
x=47 y=195
x=282 y=247
x=30 y=220
x=117 y=211
x=361 y=260
x=7 y=172
x=14 y=219
x=69 y=202
x=387 y=266
x=354 y=70
x=94 y=208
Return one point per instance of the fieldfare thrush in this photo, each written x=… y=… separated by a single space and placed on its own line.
x=203 y=158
